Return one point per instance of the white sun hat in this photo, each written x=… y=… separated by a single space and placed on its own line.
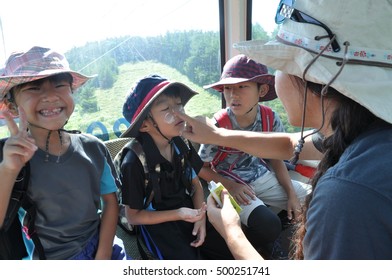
x=367 y=27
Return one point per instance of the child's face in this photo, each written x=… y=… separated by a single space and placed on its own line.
x=48 y=103
x=241 y=97
x=161 y=111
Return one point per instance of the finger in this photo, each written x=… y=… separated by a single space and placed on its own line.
x=289 y=213
x=196 y=243
x=245 y=198
x=241 y=198
x=22 y=120
x=11 y=124
x=211 y=203
x=250 y=193
x=183 y=116
x=225 y=197
x=249 y=190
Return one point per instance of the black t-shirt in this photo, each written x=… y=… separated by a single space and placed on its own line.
x=173 y=192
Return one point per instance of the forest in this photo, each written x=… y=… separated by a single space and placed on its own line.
x=191 y=55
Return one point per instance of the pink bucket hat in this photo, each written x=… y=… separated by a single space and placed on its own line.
x=34 y=64
x=363 y=31
x=241 y=68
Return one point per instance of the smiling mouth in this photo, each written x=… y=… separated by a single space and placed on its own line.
x=52 y=112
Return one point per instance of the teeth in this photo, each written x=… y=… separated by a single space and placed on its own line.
x=50 y=112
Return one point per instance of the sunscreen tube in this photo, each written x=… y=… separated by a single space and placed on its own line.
x=216 y=189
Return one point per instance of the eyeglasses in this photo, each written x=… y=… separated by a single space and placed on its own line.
x=286 y=10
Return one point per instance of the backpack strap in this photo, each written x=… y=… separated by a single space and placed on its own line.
x=223 y=120
x=18 y=195
x=20 y=199
x=267 y=118
x=189 y=160
x=151 y=173
x=29 y=229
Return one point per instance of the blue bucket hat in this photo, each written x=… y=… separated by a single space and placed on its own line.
x=141 y=97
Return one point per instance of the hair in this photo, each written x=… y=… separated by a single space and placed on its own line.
x=348 y=121
x=172 y=92
x=53 y=79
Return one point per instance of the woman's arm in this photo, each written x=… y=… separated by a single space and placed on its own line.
x=276 y=145
x=227 y=222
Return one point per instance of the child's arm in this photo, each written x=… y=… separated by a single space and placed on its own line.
x=282 y=174
x=108 y=226
x=17 y=150
x=199 y=229
x=147 y=217
x=238 y=191
x=198 y=196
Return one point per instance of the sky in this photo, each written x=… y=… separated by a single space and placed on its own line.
x=64 y=24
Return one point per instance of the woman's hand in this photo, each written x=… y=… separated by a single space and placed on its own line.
x=225 y=219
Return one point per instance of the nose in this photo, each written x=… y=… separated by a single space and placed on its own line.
x=169 y=117
x=48 y=92
x=232 y=92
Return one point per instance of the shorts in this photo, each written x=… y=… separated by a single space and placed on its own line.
x=269 y=192
x=89 y=251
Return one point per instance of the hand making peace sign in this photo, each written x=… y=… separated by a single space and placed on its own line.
x=19 y=147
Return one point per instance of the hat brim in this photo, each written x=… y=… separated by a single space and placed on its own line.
x=261 y=79
x=186 y=94
x=371 y=89
x=8 y=82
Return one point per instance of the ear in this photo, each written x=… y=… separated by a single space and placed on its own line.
x=263 y=90
x=11 y=106
x=146 y=126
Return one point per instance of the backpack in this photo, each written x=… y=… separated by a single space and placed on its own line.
x=223 y=120
x=152 y=186
x=12 y=246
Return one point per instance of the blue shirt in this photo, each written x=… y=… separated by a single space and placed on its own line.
x=350 y=215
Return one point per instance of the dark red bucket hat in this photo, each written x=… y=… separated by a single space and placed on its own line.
x=240 y=69
x=141 y=97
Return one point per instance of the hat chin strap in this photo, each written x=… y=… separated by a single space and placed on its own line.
x=157 y=128
x=251 y=108
x=59 y=131
x=323 y=93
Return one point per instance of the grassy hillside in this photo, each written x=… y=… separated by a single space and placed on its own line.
x=110 y=101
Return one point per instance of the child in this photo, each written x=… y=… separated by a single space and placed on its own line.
x=175 y=218
x=250 y=180
x=70 y=173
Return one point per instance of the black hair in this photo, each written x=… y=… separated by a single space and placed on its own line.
x=348 y=121
x=53 y=79
x=172 y=91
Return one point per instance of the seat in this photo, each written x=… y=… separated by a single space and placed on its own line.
x=115 y=145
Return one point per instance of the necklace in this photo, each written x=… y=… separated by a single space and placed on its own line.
x=47 y=146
